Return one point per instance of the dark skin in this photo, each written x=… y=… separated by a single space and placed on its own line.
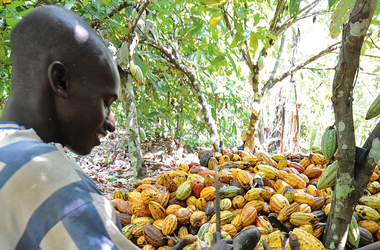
x=64 y=81
x=63 y=84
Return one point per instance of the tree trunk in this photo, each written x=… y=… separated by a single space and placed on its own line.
x=349 y=187
x=250 y=141
x=134 y=144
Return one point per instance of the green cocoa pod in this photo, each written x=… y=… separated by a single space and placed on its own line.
x=142 y=134
x=328 y=177
x=228 y=192
x=353 y=233
x=139 y=75
x=374 y=109
x=329 y=143
x=132 y=68
x=260 y=62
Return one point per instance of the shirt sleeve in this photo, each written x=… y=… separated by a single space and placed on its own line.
x=91 y=226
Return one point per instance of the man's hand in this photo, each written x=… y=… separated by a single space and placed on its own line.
x=220 y=243
x=184 y=242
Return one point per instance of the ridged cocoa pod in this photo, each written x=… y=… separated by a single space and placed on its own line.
x=163 y=196
x=171 y=185
x=248 y=215
x=210 y=208
x=192 y=200
x=157 y=211
x=318 y=230
x=225 y=176
x=230 y=229
x=238 y=202
x=148 y=247
x=182 y=232
x=140 y=209
x=319 y=203
x=169 y=225
x=198 y=218
x=177 y=202
x=366 y=237
x=125 y=219
x=237 y=184
x=320 y=215
x=172 y=209
x=192 y=208
x=209 y=180
x=141 y=241
x=201 y=204
x=287 y=211
x=183 y=216
x=153 y=236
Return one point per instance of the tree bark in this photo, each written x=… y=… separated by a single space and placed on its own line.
x=348 y=187
x=126 y=85
x=134 y=144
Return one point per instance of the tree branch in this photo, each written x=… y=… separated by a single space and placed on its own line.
x=292 y=21
x=227 y=20
x=276 y=14
x=113 y=12
x=141 y=11
x=269 y=84
x=279 y=57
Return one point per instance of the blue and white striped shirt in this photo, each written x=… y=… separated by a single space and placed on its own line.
x=47 y=201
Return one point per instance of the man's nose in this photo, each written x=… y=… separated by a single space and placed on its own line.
x=110 y=122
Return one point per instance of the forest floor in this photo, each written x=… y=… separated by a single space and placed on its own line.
x=109 y=164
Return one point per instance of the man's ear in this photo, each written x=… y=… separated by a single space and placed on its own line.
x=58 y=78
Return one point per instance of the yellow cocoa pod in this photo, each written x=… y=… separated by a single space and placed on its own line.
x=307 y=240
x=208 y=193
x=157 y=211
x=299 y=219
x=148 y=195
x=201 y=204
x=277 y=202
x=182 y=232
x=287 y=211
x=169 y=225
x=184 y=191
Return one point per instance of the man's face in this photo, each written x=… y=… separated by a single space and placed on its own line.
x=87 y=112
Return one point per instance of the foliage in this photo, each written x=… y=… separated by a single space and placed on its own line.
x=213 y=53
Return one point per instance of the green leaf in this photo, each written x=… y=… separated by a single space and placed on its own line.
x=159 y=9
x=106 y=2
x=153 y=114
x=232 y=61
x=332 y=3
x=375 y=22
x=312 y=138
x=85 y=2
x=340 y=16
x=69 y=5
x=160 y=85
x=12 y=21
x=253 y=42
x=15 y=4
x=376 y=70
x=294 y=8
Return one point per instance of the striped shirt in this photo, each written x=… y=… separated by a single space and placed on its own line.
x=47 y=201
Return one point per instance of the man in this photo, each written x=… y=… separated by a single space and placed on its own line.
x=64 y=81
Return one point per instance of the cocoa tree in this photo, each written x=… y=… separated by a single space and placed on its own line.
x=352 y=175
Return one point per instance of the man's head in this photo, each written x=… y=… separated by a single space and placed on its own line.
x=64 y=79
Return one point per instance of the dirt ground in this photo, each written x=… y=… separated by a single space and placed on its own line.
x=109 y=164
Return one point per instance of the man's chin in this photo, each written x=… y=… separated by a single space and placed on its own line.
x=80 y=150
